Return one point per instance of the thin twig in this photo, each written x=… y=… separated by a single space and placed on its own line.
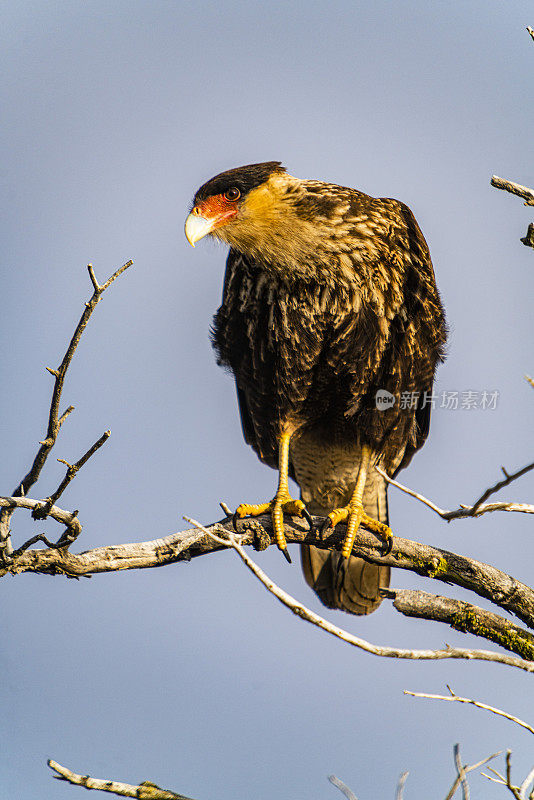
x=499 y=779
x=530 y=30
x=143 y=791
x=72 y=469
x=479 y=507
x=526 y=783
x=514 y=789
x=54 y=420
x=349 y=794
x=309 y=616
x=400 y=786
x=514 y=188
x=462 y=777
x=440 y=511
x=40 y=537
x=469 y=768
x=454 y=698
x=64 y=416
x=508 y=478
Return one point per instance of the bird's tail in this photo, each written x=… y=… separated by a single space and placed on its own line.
x=352 y=585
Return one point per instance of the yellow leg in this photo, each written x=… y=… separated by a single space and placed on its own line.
x=354 y=513
x=281 y=502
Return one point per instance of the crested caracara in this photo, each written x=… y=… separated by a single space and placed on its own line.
x=332 y=326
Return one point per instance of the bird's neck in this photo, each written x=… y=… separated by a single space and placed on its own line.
x=275 y=232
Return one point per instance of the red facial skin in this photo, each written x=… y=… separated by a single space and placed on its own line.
x=216 y=208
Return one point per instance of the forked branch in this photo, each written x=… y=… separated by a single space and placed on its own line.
x=72 y=469
x=55 y=421
x=479 y=506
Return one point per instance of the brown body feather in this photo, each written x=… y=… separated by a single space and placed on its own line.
x=329 y=296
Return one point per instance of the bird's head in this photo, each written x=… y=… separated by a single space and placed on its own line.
x=234 y=205
x=284 y=223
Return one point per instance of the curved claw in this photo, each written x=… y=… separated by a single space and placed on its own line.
x=286 y=554
x=340 y=567
x=325 y=526
x=388 y=544
x=309 y=519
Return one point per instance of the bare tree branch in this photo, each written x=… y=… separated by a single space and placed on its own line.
x=460 y=780
x=72 y=470
x=67 y=518
x=464 y=617
x=514 y=188
x=521 y=191
x=54 y=420
x=479 y=507
x=40 y=537
x=432 y=562
x=508 y=478
x=519 y=792
x=464 y=770
x=454 y=698
x=506 y=781
x=514 y=789
x=400 y=786
x=523 y=789
x=309 y=616
x=462 y=777
x=530 y=30
x=143 y=791
x=349 y=794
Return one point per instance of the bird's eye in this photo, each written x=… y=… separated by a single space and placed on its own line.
x=232 y=194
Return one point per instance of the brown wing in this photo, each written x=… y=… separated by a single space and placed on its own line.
x=416 y=340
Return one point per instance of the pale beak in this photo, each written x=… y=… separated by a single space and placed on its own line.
x=196 y=227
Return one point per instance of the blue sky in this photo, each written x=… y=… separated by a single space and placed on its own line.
x=113 y=114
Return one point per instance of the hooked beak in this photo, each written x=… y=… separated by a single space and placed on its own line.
x=204 y=219
x=196 y=227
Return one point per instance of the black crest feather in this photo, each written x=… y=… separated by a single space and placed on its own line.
x=243 y=178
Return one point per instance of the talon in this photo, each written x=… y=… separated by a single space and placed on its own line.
x=340 y=568
x=308 y=517
x=286 y=554
x=388 y=544
x=325 y=526
x=235 y=517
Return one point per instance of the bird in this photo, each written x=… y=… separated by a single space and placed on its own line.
x=332 y=326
